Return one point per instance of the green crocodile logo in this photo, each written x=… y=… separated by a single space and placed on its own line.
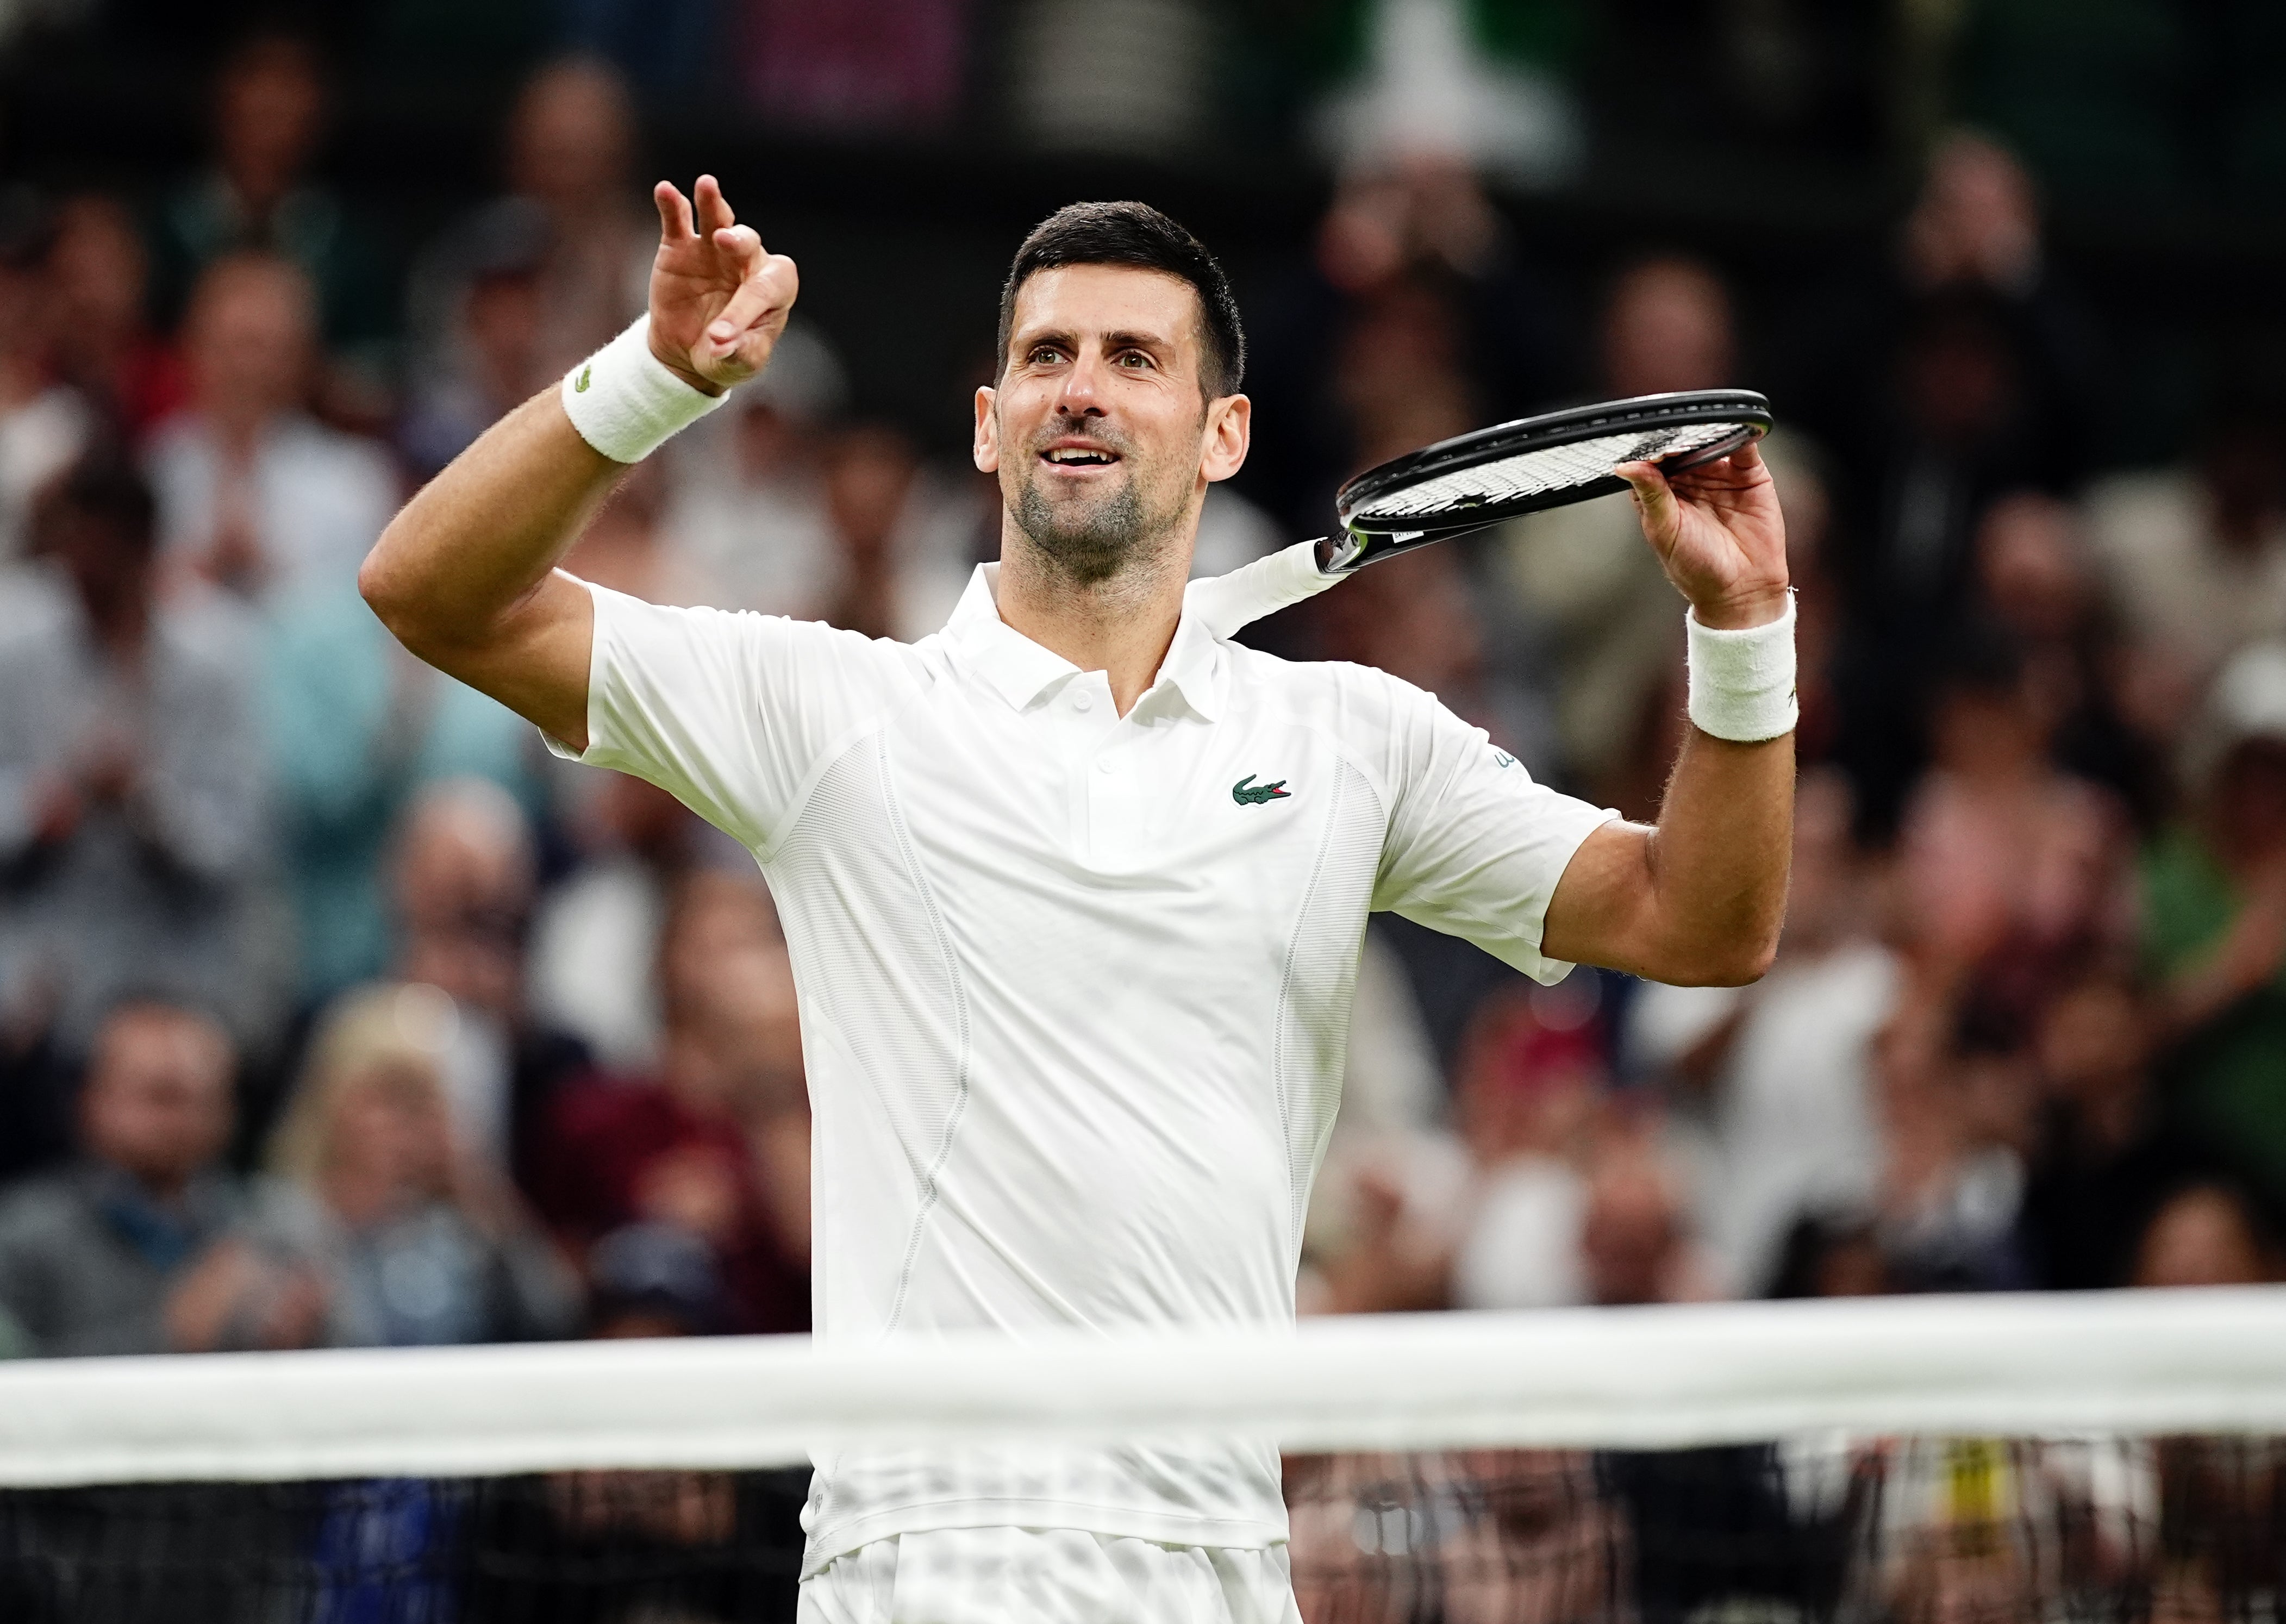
x=1246 y=793
x=580 y=388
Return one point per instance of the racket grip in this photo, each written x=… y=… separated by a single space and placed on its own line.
x=1223 y=603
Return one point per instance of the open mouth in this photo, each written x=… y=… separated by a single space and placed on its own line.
x=1078 y=456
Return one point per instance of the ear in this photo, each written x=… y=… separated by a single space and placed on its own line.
x=1230 y=424
x=986 y=449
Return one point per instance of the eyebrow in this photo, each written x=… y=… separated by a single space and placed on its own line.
x=1125 y=339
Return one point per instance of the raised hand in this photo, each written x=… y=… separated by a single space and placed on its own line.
x=1717 y=532
x=718 y=303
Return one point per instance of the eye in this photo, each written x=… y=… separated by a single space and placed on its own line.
x=1044 y=355
x=1134 y=360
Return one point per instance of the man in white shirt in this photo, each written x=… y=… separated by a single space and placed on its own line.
x=1075 y=888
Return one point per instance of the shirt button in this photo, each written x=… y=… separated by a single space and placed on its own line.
x=1083 y=701
x=1103 y=765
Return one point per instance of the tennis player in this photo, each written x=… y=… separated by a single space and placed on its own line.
x=1075 y=887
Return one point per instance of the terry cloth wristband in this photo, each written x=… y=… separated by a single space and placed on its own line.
x=624 y=400
x=1742 y=682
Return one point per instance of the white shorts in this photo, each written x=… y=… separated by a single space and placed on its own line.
x=1049 y=1576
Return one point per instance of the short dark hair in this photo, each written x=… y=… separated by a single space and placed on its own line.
x=1139 y=236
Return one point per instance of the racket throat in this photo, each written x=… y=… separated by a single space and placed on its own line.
x=1346 y=552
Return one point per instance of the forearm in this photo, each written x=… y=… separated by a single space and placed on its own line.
x=1719 y=856
x=1697 y=900
x=481 y=538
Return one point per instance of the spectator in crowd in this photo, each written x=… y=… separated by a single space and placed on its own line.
x=716 y=1144
x=43 y=423
x=1834 y=1254
x=1636 y=1239
x=572 y=190
x=2011 y=870
x=2195 y=557
x=654 y=1279
x=1582 y=573
x=2205 y=1234
x=1952 y=1175
x=2036 y=581
x=1784 y=1067
x=1417 y=316
x=899 y=563
x=270 y=108
x=461 y=881
x=99 y=272
x=255 y=495
x=492 y=361
x=357 y=728
x=1532 y=1096
x=747 y=505
x=418 y=1233
x=141 y=1247
x=133 y=808
x=2105 y=1155
x=596 y=939
x=2214 y=926
x=622 y=548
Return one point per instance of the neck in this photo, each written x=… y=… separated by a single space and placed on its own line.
x=1120 y=625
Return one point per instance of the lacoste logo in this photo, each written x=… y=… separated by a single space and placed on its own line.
x=1246 y=793
x=580 y=387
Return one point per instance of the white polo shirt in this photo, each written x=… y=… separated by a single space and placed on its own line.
x=1075 y=987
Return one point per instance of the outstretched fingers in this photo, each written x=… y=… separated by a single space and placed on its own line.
x=714 y=212
x=674 y=223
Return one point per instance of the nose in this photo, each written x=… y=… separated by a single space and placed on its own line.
x=1081 y=394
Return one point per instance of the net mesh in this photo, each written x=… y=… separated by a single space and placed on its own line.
x=1878 y=1523
x=1872 y=1529
x=1538 y=473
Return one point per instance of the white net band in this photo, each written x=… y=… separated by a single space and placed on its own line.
x=2049 y=1366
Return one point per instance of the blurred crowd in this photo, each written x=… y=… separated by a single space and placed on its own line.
x=334 y=1012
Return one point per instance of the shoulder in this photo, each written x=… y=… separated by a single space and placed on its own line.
x=1355 y=698
x=778 y=642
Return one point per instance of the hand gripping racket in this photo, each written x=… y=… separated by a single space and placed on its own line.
x=1494 y=473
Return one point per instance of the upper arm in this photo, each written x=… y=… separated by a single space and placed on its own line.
x=1604 y=911
x=534 y=659
x=1477 y=848
x=730 y=714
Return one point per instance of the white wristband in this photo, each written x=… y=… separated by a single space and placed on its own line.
x=624 y=400
x=1742 y=682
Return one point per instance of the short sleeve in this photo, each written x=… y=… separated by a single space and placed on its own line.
x=1476 y=846
x=730 y=712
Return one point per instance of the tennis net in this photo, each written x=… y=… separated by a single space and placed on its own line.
x=2109 y=1456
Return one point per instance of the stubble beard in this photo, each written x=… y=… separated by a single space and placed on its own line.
x=1092 y=541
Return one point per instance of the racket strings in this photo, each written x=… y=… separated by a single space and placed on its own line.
x=1537 y=472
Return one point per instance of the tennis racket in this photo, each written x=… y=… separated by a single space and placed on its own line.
x=1494 y=473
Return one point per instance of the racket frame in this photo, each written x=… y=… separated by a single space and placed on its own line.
x=1366 y=539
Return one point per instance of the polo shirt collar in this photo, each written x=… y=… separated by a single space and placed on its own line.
x=1021 y=670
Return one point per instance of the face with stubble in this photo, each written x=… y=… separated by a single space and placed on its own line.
x=1100 y=432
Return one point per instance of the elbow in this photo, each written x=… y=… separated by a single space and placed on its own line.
x=377 y=585
x=1733 y=964
x=1744 y=969
x=395 y=599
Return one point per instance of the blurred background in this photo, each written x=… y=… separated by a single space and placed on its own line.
x=333 y=1012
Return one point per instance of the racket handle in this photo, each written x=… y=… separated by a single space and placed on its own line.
x=1223 y=603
